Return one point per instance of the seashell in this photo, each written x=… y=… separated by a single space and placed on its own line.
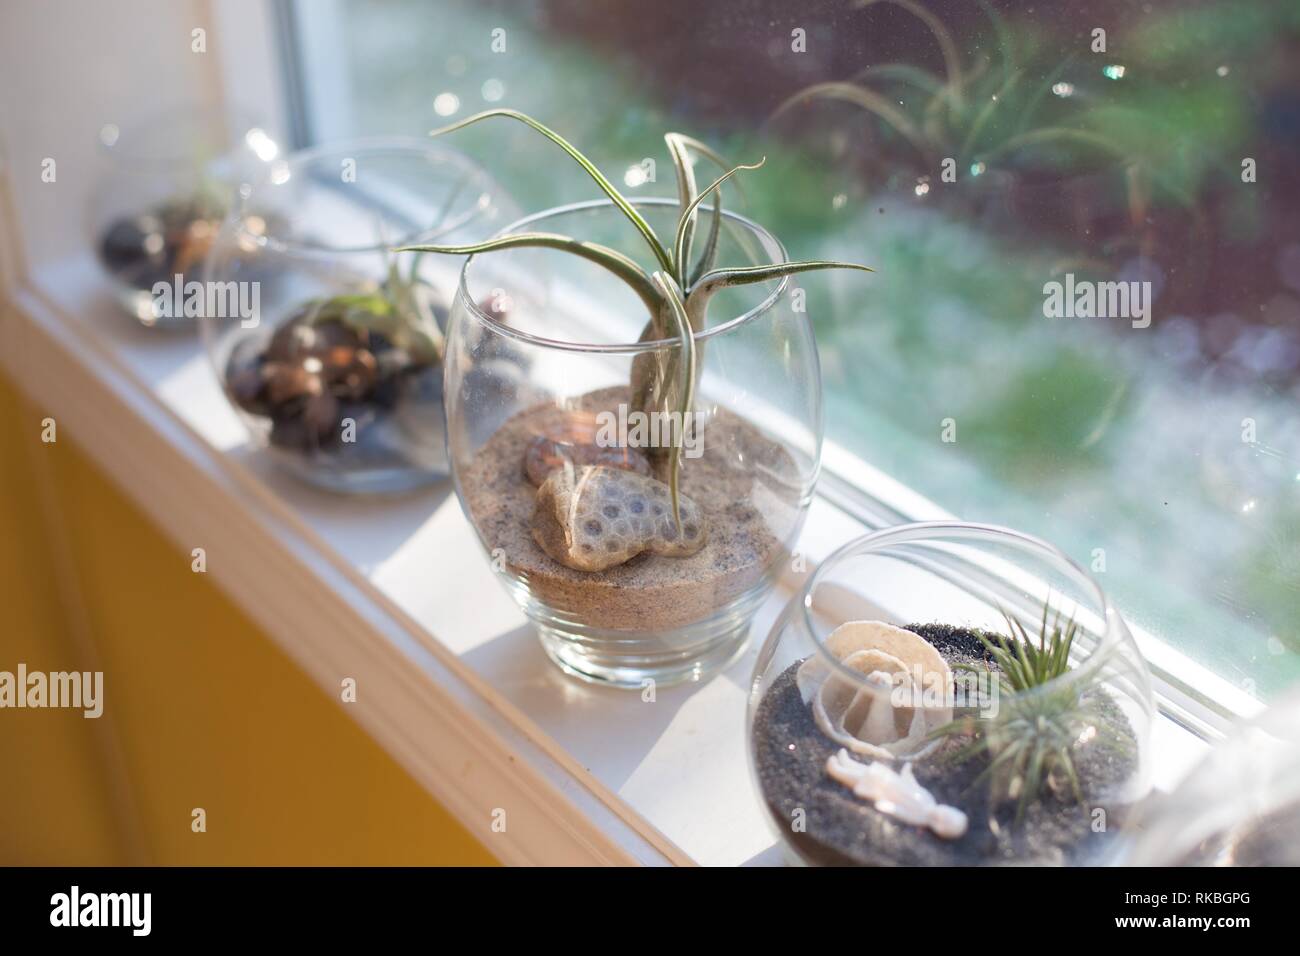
x=896 y=794
x=873 y=719
x=593 y=518
x=544 y=455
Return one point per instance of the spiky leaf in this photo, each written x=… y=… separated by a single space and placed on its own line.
x=610 y=259
x=686 y=388
x=686 y=193
x=643 y=227
x=681 y=248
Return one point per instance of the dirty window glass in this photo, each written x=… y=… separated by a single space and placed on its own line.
x=1085 y=217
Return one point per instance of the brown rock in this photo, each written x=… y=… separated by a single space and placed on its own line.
x=544 y=455
x=351 y=373
x=320 y=415
x=288 y=380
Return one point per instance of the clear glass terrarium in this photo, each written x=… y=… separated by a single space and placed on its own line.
x=1239 y=807
x=327 y=340
x=885 y=730
x=168 y=185
x=543 y=350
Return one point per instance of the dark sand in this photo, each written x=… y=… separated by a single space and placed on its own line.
x=841 y=829
x=745 y=484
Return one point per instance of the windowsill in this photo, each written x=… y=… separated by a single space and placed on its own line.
x=450 y=678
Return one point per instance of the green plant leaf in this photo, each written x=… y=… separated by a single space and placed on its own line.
x=643 y=227
x=710 y=251
x=1061 y=664
x=1043 y=88
x=677 y=309
x=686 y=193
x=1064 y=759
x=1009 y=753
x=1021 y=648
x=709 y=153
x=612 y=260
x=681 y=246
x=1058 y=134
x=867 y=99
x=1005 y=42
x=986 y=111
x=727 y=277
x=917 y=76
x=697 y=302
x=947 y=46
x=1032 y=780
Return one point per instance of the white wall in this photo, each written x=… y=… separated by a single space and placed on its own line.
x=68 y=67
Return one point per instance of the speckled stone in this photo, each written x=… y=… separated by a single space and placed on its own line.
x=745 y=484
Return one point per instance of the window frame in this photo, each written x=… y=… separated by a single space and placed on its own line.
x=1187 y=692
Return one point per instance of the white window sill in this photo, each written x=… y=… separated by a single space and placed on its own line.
x=451 y=679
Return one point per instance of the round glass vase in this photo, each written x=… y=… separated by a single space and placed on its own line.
x=1240 y=806
x=167 y=185
x=328 y=342
x=543 y=347
x=867 y=748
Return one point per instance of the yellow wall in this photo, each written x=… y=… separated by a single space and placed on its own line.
x=201 y=710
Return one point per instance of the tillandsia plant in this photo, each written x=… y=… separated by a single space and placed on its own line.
x=977 y=116
x=1029 y=743
x=398 y=309
x=676 y=292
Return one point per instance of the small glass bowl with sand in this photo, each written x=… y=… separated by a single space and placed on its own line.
x=884 y=728
x=550 y=450
x=1240 y=806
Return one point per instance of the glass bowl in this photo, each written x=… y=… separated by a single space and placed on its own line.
x=542 y=348
x=883 y=730
x=327 y=341
x=168 y=185
x=1240 y=806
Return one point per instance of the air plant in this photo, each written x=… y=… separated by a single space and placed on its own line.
x=399 y=309
x=979 y=115
x=676 y=293
x=1030 y=743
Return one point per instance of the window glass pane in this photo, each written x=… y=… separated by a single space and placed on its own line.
x=1086 y=319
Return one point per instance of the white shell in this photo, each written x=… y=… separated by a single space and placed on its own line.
x=870 y=719
x=896 y=794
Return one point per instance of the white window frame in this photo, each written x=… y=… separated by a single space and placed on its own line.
x=1187 y=691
